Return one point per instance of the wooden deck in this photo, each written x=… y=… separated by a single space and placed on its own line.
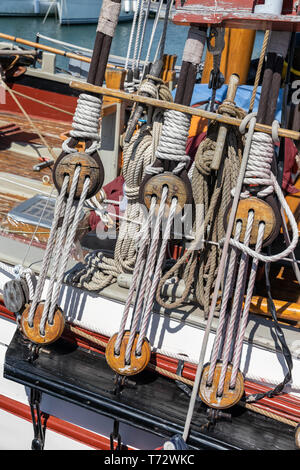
x=16 y=129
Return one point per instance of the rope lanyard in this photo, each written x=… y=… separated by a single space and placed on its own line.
x=125 y=352
x=77 y=176
x=223 y=369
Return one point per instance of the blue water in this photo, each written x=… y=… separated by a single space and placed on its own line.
x=84 y=35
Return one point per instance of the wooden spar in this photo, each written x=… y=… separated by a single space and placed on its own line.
x=271 y=79
x=291 y=134
x=285 y=310
x=236 y=55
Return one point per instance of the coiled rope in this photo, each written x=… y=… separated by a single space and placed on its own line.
x=86 y=123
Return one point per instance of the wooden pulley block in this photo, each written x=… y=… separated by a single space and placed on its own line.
x=52 y=332
x=230 y=397
x=137 y=363
x=263 y=212
x=15 y=295
x=154 y=187
x=90 y=167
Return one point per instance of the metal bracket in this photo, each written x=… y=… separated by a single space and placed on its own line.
x=115 y=436
x=215 y=415
x=216 y=80
x=34 y=351
x=122 y=381
x=184 y=387
x=38 y=441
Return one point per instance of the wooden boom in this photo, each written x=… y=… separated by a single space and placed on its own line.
x=178 y=107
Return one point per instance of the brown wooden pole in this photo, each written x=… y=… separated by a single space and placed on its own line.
x=294 y=135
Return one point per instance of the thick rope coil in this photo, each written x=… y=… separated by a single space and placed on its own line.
x=157 y=90
x=259 y=163
x=172 y=142
x=86 y=123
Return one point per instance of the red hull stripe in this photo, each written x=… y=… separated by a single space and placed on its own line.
x=60 y=426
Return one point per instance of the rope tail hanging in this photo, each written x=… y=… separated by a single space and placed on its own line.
x=254 y=219
x=77 y=176
x=165 y=190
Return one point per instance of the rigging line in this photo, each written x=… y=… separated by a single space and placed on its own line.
x=137 y=38
x=220 y=275
x=146 y=13
x=131 y=34
x=11 y=92
x=43 y=103
x=259 y=69
x=165 y=27
x=288 y=241
x=37 y=226
x=152 y=36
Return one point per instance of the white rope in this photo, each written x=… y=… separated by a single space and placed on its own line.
x=138 y=269
x=25 y=273
x=49 y=250
x=156 y=276
x=132 y=33
x=67 y=250
x=172 y=142
x=259 y=163
x=86 y=123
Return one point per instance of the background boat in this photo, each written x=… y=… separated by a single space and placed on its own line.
x=67 y=11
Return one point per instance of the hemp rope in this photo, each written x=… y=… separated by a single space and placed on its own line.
x=259 y=69
x=213 y=196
